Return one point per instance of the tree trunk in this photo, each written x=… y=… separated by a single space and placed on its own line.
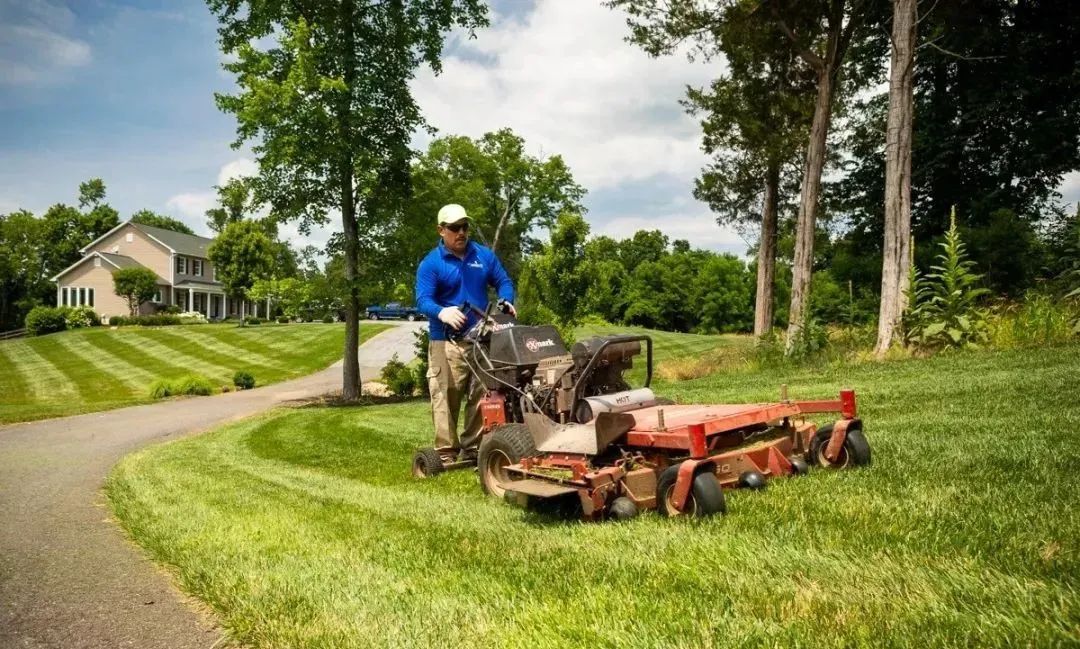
x=350 y=387
x=896 y=263
x=803 y=265
x=766 y=269
x=499 y=227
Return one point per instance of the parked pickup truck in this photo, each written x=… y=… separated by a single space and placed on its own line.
x=392 y=310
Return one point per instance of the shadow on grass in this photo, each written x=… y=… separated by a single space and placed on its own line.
x=335 y=401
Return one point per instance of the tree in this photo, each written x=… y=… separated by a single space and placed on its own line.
x=146 y=217
x=558 y=268
x=242 y=254
x=22 y=280
x=752 y=117
x=897 y=253
x=506 y=191
x=329 y=105
x=136 y=285
x=234 y=203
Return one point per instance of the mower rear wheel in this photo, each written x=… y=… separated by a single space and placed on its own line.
x=705 y=499
x=854 y=452
x=507 y=444
x=427 y=463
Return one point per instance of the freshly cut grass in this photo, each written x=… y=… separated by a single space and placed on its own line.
x=96 y=369
x=303 y=528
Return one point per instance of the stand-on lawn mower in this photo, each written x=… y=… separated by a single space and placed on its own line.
x=566 y=425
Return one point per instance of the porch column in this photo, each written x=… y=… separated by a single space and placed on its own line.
x=224 y=306
x=243 y=311
x=267 y=307
x=190 y=306
x=208 y=305
x=58 y=294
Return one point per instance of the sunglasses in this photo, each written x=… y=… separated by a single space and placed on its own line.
x=457 y=227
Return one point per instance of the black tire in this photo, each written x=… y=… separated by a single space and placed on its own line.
x=411 y=317
x=373 y=316
x=798 y=466
x=706 y=496
x=855 y=452
x=505 y=445
x=427 y=463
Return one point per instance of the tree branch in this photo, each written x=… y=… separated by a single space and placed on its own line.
x=958 y=55
x=804 y=52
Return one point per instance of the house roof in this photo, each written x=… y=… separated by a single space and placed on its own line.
x=176 y=242
x=199 y=286
x=117 y=261
x=184 y=244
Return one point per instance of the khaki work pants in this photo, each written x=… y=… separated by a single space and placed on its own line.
x=448 y=380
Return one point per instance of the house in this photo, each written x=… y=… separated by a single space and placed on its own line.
x=186 y=276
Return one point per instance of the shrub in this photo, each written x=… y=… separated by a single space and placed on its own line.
x=162 y=388
x=192 y=317
x=327 y=319
x=283 y=320
x=79 y=317
x=160 y=320
x=1037 y=320
x=252 y=320
x=243 y=380
x=422 y=342
x=168 y=309
x=46 y=320
x=193 y=384
x=399 y=378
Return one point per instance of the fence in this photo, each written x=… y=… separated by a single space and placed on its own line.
x=14 y=333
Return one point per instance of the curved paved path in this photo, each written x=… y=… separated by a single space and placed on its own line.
x=68 y=577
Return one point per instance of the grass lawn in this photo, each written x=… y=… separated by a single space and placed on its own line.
x=303 y=528
x=86 y=370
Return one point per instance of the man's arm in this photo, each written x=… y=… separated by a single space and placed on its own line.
x=426 y=278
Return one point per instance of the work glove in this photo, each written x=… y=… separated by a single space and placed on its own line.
x=509 y=308
x=452 y=316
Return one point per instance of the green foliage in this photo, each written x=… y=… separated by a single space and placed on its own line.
x=1035 y=321
x=147 y=217
x=135 y=285
x=291 y=295
x=398 y=377
x=242 y=255
x=283 y=320
x=192 y=317
x=558 y=268
x=328 y=318
x=80 y=316
x=194 y=384
x=421 y=342
x=252 y=320
x=945 y=312
x=44 y=320
x=162 y=388
x=158 y=320
x=243 y=380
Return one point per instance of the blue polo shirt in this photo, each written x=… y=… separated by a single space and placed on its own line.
x=443 y=280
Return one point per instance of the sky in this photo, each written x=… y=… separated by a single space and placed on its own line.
x=124 y=90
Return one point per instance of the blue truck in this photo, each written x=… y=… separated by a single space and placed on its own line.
x=392 y=310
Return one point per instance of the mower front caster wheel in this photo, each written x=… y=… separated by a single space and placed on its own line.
x=427 y=463
x=854 y=452
x=705 y=498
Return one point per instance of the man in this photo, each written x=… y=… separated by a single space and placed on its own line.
x=456 y=271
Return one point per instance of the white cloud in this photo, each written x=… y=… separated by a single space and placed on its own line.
x=34 y=46
x=239 y=168
x=566 y=81
x=191 y=208
x=1070 y=187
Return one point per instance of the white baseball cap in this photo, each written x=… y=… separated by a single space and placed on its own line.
x=451 y=213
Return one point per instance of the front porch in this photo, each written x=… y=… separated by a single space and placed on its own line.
x=214 y=303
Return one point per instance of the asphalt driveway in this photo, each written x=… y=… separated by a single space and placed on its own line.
x=68 y=577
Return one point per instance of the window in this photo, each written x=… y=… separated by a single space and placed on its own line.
x=215 y=274
x=82 y=296
x=64 y=298
x=196 y=267
x=97 y=262
x=157 y=296
x=181 y=265
x=130 y=237
x=90 y=295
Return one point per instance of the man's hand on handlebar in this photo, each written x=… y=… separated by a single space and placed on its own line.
x=453 y=317
x=507 y=307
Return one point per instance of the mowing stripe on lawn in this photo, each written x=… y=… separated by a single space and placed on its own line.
x=45 y=381
x=83 y=376
x=257 y=347
x=222 y=350
x=13 y=388
x=285 y=341
x=122 y=346
x=177 y=353
x=131 y=375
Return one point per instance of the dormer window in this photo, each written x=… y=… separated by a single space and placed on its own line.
x=181 y=265
x=130 y=237
x=97 y=262
x=197 y=270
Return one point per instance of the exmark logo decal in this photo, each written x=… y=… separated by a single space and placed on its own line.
x=500 y=326
x=534 y=345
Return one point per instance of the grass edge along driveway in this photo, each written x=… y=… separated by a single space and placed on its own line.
x=303 y=528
